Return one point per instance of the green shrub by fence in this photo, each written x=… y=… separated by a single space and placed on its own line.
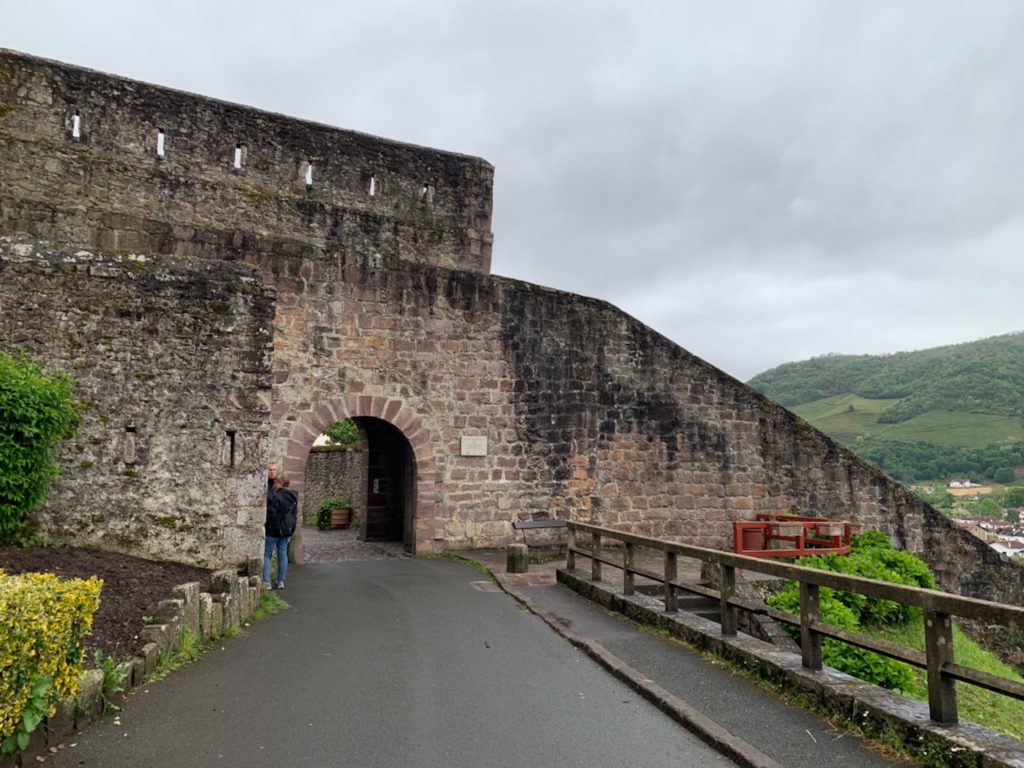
x=873 y=557
x=43 y=623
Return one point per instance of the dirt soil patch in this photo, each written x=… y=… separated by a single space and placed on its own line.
x=132 y=587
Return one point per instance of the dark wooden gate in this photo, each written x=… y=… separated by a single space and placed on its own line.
x=388 y=488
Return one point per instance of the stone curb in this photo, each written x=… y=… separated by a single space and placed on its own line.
x=964 y=744
x=206 y=615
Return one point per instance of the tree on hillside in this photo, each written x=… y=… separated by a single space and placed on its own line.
x=940 y=498
x=1014 y=497
x=1004 y=475
x=988 y=507
x=985 y=376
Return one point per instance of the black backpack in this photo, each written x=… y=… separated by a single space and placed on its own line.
x=282 y=513
x=289 y=510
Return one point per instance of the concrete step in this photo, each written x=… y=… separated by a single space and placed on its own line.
x=699 y=605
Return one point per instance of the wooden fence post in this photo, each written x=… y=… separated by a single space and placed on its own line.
x=517 y=558
x=810 y=641
x=628 y=580
x=671 y=573
x=938 y=648
x=595 y=564
x=729 y=616
x=570 y=555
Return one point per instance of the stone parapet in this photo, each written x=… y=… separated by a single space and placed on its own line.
x=234 y=179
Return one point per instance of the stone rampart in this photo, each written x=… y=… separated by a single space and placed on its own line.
x=588 y=415
x=570 y=407
x=170 y=172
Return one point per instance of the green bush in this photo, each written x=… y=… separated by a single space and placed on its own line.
x=36 y=413
x=43 y=623
x=872 y=557
x=343 y=432
x=859 y=662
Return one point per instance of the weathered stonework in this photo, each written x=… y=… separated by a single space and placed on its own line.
x=192 y=200
x=382 y=308
x=334 y=472
x=171 y=362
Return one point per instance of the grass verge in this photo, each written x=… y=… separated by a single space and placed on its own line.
x=191 y=647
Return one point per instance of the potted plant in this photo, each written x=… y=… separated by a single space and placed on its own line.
x=333 y=512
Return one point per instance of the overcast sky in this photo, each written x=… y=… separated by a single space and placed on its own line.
x=761 y=182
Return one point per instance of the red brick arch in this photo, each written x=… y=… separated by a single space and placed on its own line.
x=312 y=423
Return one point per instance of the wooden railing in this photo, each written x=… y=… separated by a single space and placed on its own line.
x=939 y=608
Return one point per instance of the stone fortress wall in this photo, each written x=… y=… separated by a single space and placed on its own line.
x=171 y=363
x=383 y=306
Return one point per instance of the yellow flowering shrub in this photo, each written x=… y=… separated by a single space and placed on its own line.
x=43 y=623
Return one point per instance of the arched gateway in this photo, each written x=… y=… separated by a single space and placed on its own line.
x=402 y=482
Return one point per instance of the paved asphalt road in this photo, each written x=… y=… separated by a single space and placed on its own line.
x=390 y=663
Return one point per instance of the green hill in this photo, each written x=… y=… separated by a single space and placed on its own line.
x=985 y=376
x=919 y=415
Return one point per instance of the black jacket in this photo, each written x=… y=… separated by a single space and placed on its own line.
x=282 y=512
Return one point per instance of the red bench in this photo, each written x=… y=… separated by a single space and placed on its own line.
x=790 y=536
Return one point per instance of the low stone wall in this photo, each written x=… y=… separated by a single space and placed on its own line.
x=232 y=599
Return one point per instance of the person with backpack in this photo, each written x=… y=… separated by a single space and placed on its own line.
x=282 y=512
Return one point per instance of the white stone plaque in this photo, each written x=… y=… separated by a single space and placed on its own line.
x=474 y=446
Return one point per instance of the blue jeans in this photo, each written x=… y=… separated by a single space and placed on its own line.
x=281 y=545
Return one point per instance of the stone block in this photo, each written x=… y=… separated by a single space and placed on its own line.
x=61 y=724
x=244 y=607
x=223 y=581
x=216 y=619
x=150 y=655
x=138 y=672
x=232 y=612
x=171 y=612
x=205 y=616
x=158 y=634
x=189 y=595
x=254 y=596
x=90 y=696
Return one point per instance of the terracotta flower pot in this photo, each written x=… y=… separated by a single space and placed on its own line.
x=341 y=517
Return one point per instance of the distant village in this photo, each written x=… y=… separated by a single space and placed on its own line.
x=1003 y=535
x=1005 y=538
